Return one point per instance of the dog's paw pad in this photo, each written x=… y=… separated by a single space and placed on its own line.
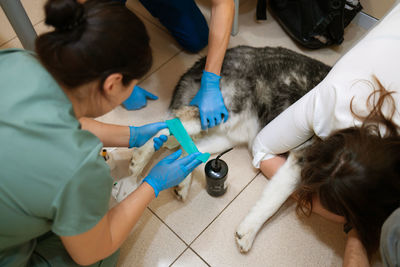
x=244 y=239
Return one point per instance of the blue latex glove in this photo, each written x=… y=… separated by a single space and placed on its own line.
x=159 y=141
x=209 y=101
x=138 y=98
x=171 y=171
x=140 y=135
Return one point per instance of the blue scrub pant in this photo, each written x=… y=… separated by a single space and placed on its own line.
x=183 y=19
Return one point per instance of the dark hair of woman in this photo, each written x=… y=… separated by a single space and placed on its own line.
x=355 y=172
x=93 y=40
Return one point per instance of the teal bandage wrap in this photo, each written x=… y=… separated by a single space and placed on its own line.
x=176 y=128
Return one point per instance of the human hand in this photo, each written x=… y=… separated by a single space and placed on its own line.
x=171 y=171
x=140 y=135
x=138 y=98
x=209 y=101
x=159 y=141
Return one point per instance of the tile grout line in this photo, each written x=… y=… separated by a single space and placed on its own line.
x=15 y=36
x=224 y=209
x=137 y=12
x=189 y=245
x=157 y=69
x=6 y=42
x=199 y=256
x=168 y=226
x=179 y=256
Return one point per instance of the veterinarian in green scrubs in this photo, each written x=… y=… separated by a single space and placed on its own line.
x=54 y=186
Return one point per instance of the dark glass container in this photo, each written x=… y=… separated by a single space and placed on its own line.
x=216 y=171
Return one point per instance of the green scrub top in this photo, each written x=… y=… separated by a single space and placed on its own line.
x=52 y=177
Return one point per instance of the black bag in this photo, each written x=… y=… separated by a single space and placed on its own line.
x=312 y=23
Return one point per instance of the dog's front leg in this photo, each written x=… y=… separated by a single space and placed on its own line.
x=278 y=189
x=140 y=158
x=142 y=155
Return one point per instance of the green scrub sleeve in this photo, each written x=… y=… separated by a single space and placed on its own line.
x=83 y=200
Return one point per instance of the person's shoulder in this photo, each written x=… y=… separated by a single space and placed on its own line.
x=21 y=65
x=13 y=51
x=16 y=53
x=72 y=156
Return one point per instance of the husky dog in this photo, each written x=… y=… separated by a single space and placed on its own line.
x=257 y=85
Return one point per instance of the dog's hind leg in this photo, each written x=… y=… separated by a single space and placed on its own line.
x=278 y=189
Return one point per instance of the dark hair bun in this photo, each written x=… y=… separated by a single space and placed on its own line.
x=64 y=14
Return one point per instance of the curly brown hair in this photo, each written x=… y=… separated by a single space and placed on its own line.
x=355 y=172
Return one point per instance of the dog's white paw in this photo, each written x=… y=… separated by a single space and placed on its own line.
x=137 y=164
x=181 y=191
x=245 y=235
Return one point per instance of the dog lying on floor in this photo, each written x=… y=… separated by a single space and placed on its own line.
x=257 y=85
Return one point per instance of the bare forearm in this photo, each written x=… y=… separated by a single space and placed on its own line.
x=355 y=254
x=123 y=217
x=110 y=135
x=270 y=166
x=107 y=236
x=220 y=28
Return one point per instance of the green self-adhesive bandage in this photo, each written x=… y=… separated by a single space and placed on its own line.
x=176 y=128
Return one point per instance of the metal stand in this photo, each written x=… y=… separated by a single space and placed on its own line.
x=20 y=22
x=235 y=25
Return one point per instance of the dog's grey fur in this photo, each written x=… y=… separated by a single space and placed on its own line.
x=264 y=81
x=257 y=85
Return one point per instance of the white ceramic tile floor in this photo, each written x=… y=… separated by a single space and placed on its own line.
x=200 y=231
x=285 y=240
x=34 y=9
x=189 y=258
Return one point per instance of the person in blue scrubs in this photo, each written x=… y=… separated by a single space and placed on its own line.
x=188 y=26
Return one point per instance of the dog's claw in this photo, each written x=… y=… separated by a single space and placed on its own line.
x=177 y=195
x=237 y=235
x=244 y=237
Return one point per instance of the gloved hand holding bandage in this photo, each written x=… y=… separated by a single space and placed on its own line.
x=140 y=135
x=171 y=171
x=209 y=101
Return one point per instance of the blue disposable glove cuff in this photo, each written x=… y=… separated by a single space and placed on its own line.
x=152 y=184
x=211 y=80
x=133 y=132
x=140 y=135
x=210 y=102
